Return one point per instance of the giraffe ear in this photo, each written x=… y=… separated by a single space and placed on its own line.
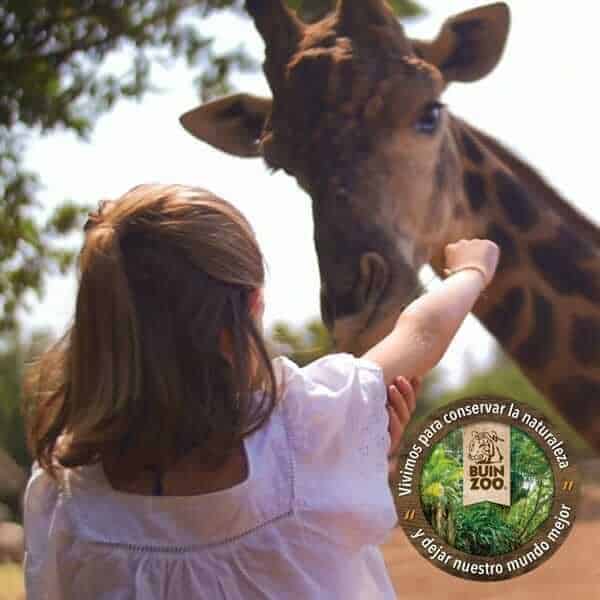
x=470 y=44
x=232 y=124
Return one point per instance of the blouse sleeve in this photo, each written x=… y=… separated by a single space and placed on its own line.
x=336 y=408
x=41 y=496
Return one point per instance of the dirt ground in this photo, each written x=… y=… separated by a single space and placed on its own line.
x=572 y=573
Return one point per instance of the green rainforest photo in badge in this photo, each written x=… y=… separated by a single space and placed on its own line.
x=486 y=488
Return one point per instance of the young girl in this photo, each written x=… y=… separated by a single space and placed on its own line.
x=174 y=459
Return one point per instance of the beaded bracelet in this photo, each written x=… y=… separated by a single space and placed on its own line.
x=448 y=272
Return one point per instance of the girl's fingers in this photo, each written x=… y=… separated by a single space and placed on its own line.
x=415 y=382
x=414 y=391
x=412 y=386
x=405 y=401
x=403 y=412
x=396 y=427
x=392 y=466
x=401 y=405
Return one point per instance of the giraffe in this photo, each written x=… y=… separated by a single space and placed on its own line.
x=356 y=118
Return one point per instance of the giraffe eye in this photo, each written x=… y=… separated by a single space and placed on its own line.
x=430 y=118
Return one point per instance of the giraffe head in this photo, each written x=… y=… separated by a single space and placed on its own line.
x=356 y=118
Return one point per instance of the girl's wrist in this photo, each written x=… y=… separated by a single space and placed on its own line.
x=480 y=270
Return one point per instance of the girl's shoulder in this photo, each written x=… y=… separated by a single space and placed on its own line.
x=334 y=383
x=39 y=503
x=335 y=412
x=334 y=372
x=336 y=405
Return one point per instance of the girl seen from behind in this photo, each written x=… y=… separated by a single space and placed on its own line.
x=175 y=459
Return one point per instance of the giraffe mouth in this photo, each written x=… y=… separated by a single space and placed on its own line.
x=362 y=297
x=365 y=263
x=361 y=314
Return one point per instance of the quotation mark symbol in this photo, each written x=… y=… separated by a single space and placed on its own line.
x=410 y=514
x=568 y=485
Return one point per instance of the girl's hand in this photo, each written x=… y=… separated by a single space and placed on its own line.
x=401 y=405
x=479 y=254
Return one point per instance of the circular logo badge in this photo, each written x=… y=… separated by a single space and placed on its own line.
x=487 y=489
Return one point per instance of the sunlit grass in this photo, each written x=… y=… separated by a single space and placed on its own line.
x=12 y=586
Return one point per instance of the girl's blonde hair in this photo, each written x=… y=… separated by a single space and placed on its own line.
x=163 y=272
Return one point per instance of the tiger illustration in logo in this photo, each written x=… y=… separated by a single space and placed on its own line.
x=483 y=447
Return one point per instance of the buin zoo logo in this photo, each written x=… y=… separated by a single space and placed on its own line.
x=486 y=490
x=483 y=447
x=486 y=463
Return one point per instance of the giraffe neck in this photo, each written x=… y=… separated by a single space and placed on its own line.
x=543 y=305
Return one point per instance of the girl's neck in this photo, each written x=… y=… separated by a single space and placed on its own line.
x=187 y=477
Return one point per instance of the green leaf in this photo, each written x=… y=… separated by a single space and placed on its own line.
x=407 y=8
x=434 y=490
x=65 y=218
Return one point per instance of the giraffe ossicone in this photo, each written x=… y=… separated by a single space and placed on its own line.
x=356 y=118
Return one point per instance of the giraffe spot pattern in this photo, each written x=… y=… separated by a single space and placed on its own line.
x=441 y=170
x=474 y=184
x=443 y=165
x=515 y=201
x=503 y=318
x=585 y=340
x=509 y=255
x=572 y=244
x=577 y=399
x=557 y=260
x=540 y=346
x=466 y=48
x=471 y=149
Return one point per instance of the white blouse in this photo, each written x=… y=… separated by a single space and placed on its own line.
x=304 y=524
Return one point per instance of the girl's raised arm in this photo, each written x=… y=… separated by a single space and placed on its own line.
x=426 y=327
